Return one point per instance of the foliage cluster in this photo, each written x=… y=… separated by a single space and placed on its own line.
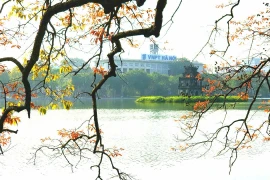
x=130 y=84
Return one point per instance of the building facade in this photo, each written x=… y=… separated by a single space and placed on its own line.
x=148 y=66
x=150 y=63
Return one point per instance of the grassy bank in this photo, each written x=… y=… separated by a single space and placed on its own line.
x=183 y=99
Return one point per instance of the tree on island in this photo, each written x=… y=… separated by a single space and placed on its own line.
x=93 y=26
x=177 y=67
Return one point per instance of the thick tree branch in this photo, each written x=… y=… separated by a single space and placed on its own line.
x=15 y=61
x=6 y=112
x=153 y=30
x=11 y=131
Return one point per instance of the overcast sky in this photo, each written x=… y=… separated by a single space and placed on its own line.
x=191 y=28
x=193 y=23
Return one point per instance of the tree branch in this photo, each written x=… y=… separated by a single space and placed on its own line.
x=15 y=61
x=2 y=7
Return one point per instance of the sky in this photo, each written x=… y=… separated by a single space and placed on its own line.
x=193 y=23
x=190 y=30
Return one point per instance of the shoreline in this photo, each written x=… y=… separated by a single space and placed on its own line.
x=188 y=99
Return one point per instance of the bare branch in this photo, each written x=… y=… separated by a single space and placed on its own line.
x=231 y=15
x=2 y=7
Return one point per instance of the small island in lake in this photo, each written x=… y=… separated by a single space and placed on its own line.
x=184 y=99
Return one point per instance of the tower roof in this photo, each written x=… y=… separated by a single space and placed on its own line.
x=190 y=71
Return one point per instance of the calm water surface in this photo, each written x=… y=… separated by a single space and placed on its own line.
x=146 y=132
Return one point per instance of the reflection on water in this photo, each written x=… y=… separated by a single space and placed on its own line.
x=145 y=131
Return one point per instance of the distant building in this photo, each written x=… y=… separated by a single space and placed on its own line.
x=190 y=84
x=154 y=48
x=150 y=63
x=148 y=66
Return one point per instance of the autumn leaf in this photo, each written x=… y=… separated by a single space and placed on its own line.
x=200 y=106
x=4 y=139
x=243 y=95
x=42 y=110
x=67 y=104
x=12 y=120
x=101 y=70
x=212 y=52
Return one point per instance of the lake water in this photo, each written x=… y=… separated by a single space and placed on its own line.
x=146 y=132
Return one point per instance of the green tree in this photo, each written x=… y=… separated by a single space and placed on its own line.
x=178 y=67
x=77 y=63
x=159 y=84
x=14 y=74
x=4 y=77
x=116 y=86
x=138 y=82
x=173 y=85
x=82 y=82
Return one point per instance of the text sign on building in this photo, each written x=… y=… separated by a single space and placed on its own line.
x=158 y=57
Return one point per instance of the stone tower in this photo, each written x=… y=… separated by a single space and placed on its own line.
x=190 y=84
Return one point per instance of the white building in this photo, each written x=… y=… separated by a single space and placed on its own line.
x=150 y=63
x=149 y=66
x=153 y=62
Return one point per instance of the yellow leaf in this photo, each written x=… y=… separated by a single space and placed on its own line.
x=54 y=106
x=48 y=91
x=65 y=69
x=42 y=110
x=67 y=104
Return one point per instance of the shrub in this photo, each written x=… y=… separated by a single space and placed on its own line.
x=190 y=99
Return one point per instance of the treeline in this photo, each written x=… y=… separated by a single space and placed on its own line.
x=140 y=83
x=130 y=84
